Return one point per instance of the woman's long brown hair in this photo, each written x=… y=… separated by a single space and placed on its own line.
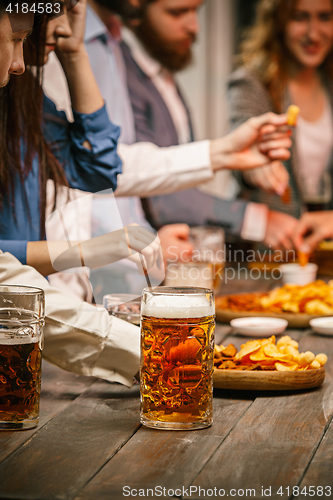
x=264 y=51
x=21 y=134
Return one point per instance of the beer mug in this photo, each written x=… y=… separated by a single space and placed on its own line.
x=177 y=348
x=21 y=334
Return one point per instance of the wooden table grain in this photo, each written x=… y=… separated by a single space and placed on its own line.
x=90 y=445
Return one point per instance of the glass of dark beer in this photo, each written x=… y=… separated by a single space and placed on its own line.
x=21 y=335
x=177 y=346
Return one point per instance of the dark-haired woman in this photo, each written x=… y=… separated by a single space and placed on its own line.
x=37 y=141
x=287 y=58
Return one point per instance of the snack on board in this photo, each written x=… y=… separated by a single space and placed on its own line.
x=292 y=114
x=303 y=258
x=266 y=355
x=314 y=299
x=286 y=197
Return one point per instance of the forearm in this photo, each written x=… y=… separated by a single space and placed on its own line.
x=85 y=94
x=220 y=154
x=151 y=171
x=39 y=255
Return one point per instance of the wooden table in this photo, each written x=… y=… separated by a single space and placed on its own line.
x=89 y=443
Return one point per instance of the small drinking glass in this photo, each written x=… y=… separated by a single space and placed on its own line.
x=177 y=347
x=125 y=306
x=21 y=336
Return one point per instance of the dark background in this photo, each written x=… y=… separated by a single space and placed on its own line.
x=245 y=16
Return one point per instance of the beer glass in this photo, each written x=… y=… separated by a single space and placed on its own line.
x=208 y=242
x=207 y=262
x=177 y=346
x=21 y=334
x=125 y=306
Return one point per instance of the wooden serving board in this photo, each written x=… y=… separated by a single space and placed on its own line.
x=295 y=320
x=269 y=380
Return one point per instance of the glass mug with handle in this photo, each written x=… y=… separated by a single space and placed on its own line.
x=21 y=336
x=177 y=349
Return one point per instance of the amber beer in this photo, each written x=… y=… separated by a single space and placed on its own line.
x=20 y=373
x=21 y=338
x=177 y=344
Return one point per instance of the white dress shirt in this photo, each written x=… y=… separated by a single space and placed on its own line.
x=79 y=337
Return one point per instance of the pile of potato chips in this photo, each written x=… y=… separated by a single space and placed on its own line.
x=266 y=354
x=314 y=298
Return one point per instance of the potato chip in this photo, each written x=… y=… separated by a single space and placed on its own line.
x=322 y=358
x=318 y=307
x=259 y=355
x=272 y=351
x=291 y=307
x=285 y=340
x=248 y=348
x=315 y=364
x=271 y=340
x=229 y=351
x=306 y=358
x=286 y=367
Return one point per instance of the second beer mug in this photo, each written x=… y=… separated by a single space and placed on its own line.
x=21 y=336
x=177 y=347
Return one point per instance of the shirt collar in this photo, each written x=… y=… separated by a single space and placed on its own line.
x=94 y=26
x=149 y=66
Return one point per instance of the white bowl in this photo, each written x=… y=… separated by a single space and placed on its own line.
x=324 y=326
x=299 y=275
x=259 y=327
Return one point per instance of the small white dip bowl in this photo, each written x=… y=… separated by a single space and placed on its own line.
x=298 y=275
x=324 y=326
x=259 y=327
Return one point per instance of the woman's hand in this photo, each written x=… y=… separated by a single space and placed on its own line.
x=76 y=17
x=66 y=32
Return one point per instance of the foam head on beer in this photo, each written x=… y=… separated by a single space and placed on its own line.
x=178 y=303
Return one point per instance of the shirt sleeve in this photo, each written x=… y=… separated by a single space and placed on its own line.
x=79 y=337
x=92 y=169
x=255 y=222
x=151 y=171
x=15 y=247
x=193 y=207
